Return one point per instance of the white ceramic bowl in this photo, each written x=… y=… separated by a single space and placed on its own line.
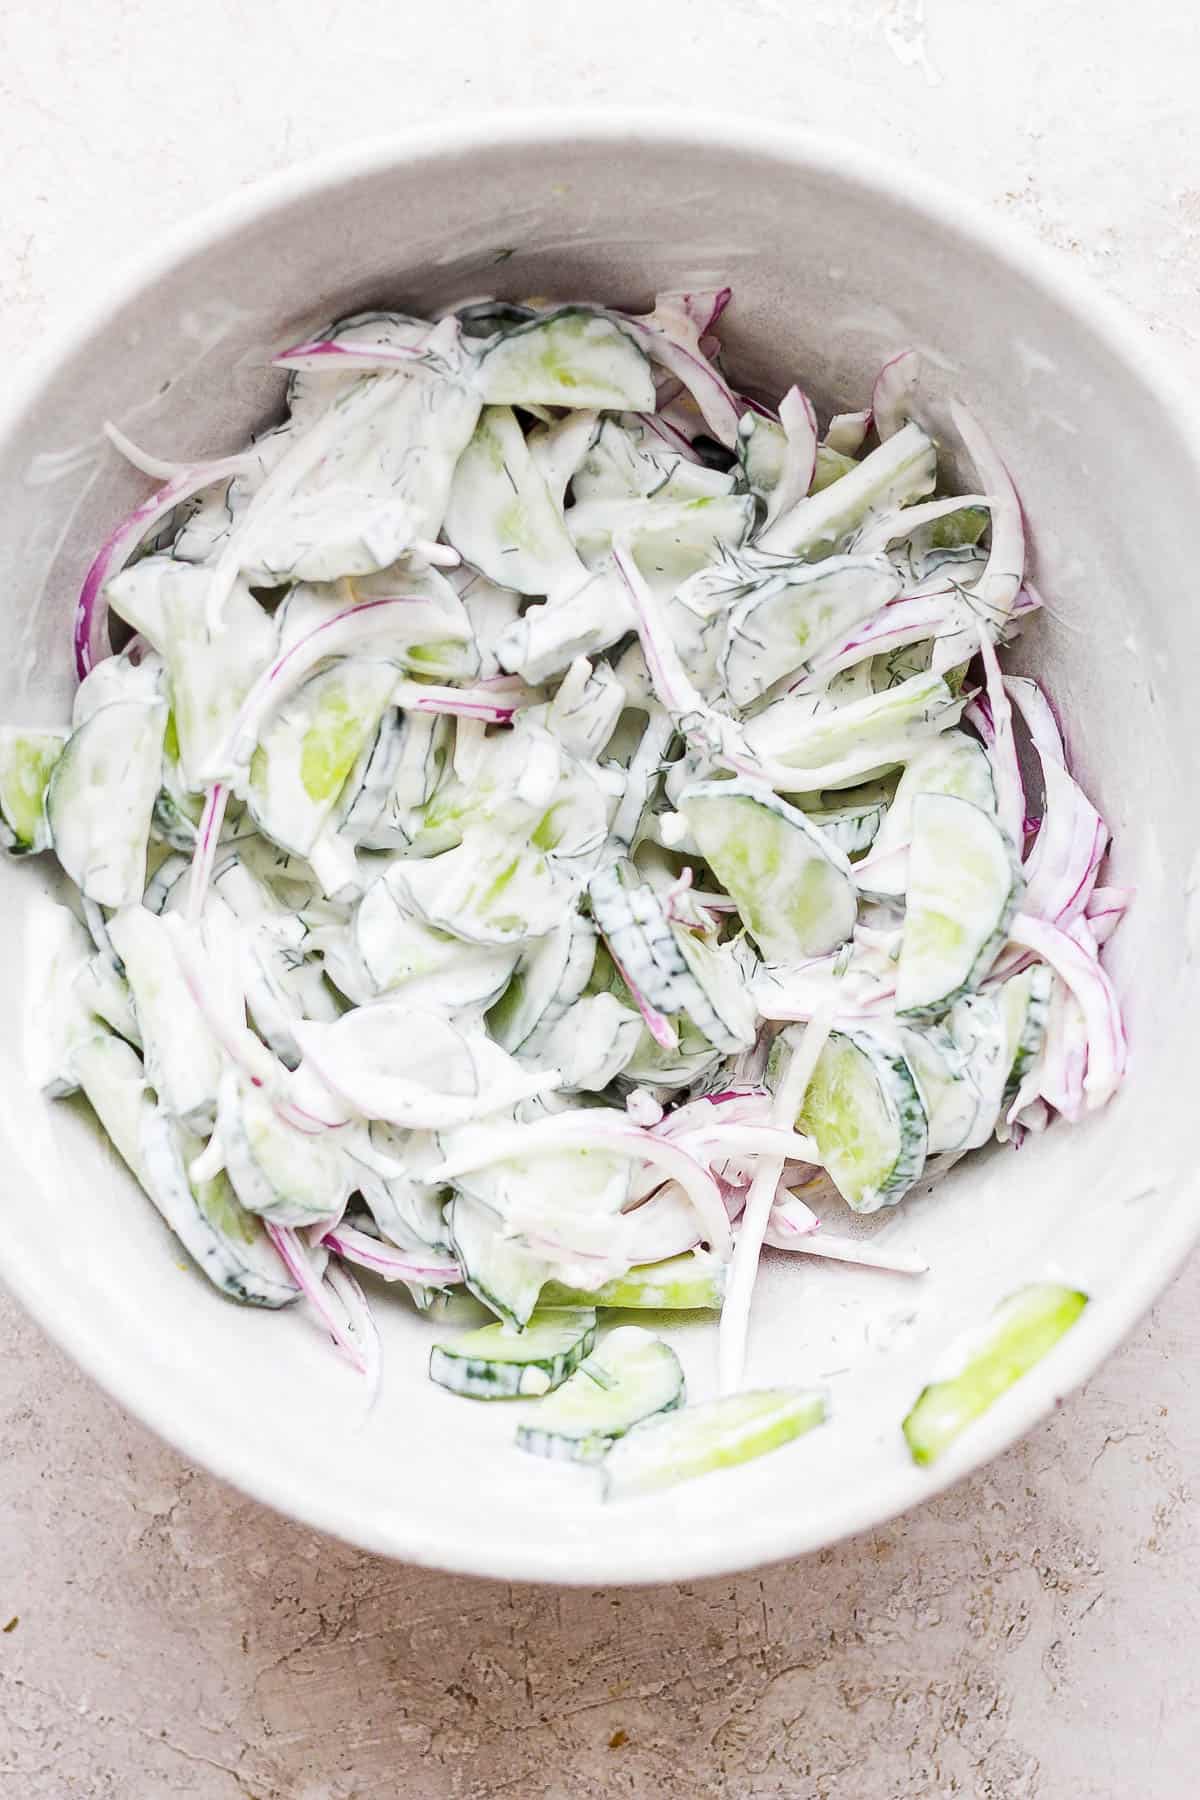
x=836 y=261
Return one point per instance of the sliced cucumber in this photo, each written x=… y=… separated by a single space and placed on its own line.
x=719 y=1434
x=585 y=711
x=1022 y=1330
x=27 y=760
x=963 y=888
x=788 y=619
x=111 y=1075
x=952 y=764
x=573 y=357
x=793 y=889
x=310 y=746
x=861 y=735
x=589 y=1044
x=224 y=1240
x=669 y=541
x=59 y=1019
x=550 y=977
x=948 y=1090
x=672 y=972
x=288 y=1176
x=864 y=1110
x=501 y=516
x=499 y=1271
x=396 y=950
x=632 y=1376
x=693 y=1282
x=902 y=469
x=626 y=463
x=851 y=829
x=105 y=994
x=100 y=799
x=183 y=1059
x=497 y=1363
x=489 y=890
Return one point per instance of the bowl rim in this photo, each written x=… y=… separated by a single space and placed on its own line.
x=762 y=1537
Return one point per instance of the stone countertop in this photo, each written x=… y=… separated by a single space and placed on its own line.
x=1033 y=1635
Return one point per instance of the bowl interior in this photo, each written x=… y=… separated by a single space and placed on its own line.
x=833 y=268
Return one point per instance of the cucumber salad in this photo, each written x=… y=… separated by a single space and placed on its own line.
x=540 y=823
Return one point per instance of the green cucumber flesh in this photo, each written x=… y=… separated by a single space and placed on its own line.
x=718 y=1434
x=631 y=1376
x=1021 y=1331
x=575 y=358
x=864 y=1110
x=793 y=889
x=499 y=1271
x=27 y=759
x=498 y=1363
x=693 y=1282
x=963 y=887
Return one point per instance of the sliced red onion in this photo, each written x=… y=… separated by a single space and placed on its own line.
x=664 y=1225
x=593 y=1129
x=750 y=1105
x=907 y=519
x=352 y=629
x=328 y=355
x=845 y=1249
x=786 y=1104
x=159 y=468
x=295 y=1259
x=753 y=1140
x=900 y=622
x=657 y=1023
x=1002 y=751
x=1038 y=714
x=424 y=1268
x=892 y=395
x=1080 y=969
x=790 y=1217
x=1061 y=868
x=1106 y=907
x=643 y=1108
x=704 y=309
x=799 y=423
x=362 y=1325
x=996 y=590
x=669 y=434
x=669 y=336
x=493 y=706
x=208 y=833
x=91 y=610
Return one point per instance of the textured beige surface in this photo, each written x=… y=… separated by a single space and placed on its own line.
x=1033 y=1634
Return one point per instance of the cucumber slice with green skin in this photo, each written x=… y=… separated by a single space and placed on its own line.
x=789 y=618
x=631 y=1377
x=1025 y=1006
x=963 y=888
x=693 y=1282
x=27 y=760
x=111 y=1075
x=950 y=1095
x=864 y=1110
x=58 y=1020
x=209 y=672
x=551 y=975
x=502 y=518
x=407 y=1211
x=288 y=1176
x=183 y=1059
x=793 y=889
x=573 y=357
x=497 y=1363
x=851 y=829
x=902 y=469
x=589 y=1044
x=585 y=711
x=104 y=993
x=100 y=800
x=227 y=1243
x=952 y=764
x=310 y=746
x=668 y=541
x=862 y=735
x=499 y=1271
x=489 y=890
x=718 y=1434
x=395 y=949
x=671 y=972
x=623 y=463
x=1021 y=1331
